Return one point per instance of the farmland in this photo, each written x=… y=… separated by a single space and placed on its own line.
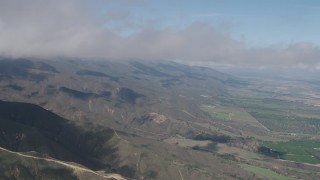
x=280 y=116
x=228 y=113
x=265 y=173
x=300 y=151
x=282 y=109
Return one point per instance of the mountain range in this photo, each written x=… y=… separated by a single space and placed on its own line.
x=97 y=119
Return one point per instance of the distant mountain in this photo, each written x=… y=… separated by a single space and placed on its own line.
x=93 y=91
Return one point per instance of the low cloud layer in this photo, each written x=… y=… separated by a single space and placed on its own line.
x=44 y=28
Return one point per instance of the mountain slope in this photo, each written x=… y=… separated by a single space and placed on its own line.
x=24 y=166
x=27 y=127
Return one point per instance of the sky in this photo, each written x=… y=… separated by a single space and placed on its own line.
x=260 y=22
x=256 y=34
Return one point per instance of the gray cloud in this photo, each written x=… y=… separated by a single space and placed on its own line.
x=44 y=28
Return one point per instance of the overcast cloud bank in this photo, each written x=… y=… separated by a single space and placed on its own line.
x=44 y=28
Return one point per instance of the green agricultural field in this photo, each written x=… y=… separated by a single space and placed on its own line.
x=288 y=123
x=265 y=173
x=300 y=151
x=228 y=113
x=278 y=115
x=216 y=112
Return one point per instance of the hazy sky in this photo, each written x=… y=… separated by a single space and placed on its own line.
x=231 y=33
